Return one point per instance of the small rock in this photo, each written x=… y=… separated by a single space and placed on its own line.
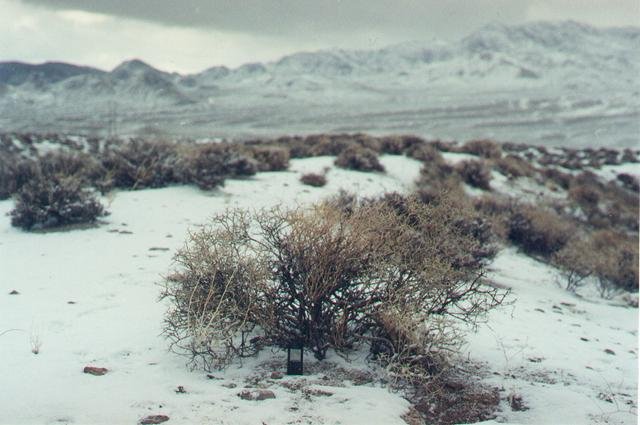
x=229 y=385
x=517 y=403
x=245 y=395
x=609 y=351
x=158 y=248
x=265 y=394
x=180 y=390
x=71 y=302
x=540 y=310
x=97 y=371
x=14 y=292
x=154 y=419
x=257 y=395
x=317 y=392
x=584 y=339
x=276 y=375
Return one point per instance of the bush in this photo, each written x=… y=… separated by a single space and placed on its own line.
x=208 y=165
x=611 y=257
x=359 y=158
x=475 y=173
x=314 y=179
x=538 y=231
x=140 y=164
x=329 y=278
x=514 y=167
x=270 y=158
x=49 y=201
x=15 y=172
x=485 y=148
x=629 y=182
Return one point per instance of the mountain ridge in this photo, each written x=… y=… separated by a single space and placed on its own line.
x=537 y=74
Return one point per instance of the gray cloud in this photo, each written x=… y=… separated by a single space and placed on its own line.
x=312 y=18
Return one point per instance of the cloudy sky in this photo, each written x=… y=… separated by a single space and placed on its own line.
x=191 y=35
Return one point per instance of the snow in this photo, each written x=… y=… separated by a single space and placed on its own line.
x=115 y=322
x=111 y=276
x=535 y=345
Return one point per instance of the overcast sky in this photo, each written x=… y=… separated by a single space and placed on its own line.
x=191 y=35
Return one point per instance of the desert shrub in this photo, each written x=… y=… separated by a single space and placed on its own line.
x=329 y=145
x=314 y=179
x=475 y=173
x=628 y=155
x=539 y=231
x=586 y=196
x=468 y=222
x=214 y=293
x=15 y=172
x=139 y=164
x=629 y=182
x=435 y=178
x=270 y=158
x=605 y=205
x=359 y=158
x=425 y=153
x=208 y=165
x=327 y=278
x=392 y=145
x=558 y=177
x=611 y=257
x=485 y=148
x=514 y=167
x=51 y=201
x=367 y=141
x=497 y=211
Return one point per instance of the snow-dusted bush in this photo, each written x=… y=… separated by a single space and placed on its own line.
x=139 y=164
x=359 y=159
x=629 y=182
x=14 y=173
x=513 y=167
x=270 y=158
x=475 y=173
x=485 y=148
x=51 y=201
x=610 y=257
x=539 y=231
x=329 y=278
x=314 y=179
x=208 y=165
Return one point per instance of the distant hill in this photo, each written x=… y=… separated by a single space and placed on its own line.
x=554 y=83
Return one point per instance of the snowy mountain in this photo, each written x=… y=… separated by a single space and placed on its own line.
x=551 y=83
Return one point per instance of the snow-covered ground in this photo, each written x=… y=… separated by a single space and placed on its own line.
x=90 y=297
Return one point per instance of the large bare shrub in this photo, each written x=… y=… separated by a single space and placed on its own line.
x=331 y=278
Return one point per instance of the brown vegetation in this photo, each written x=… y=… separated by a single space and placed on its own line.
x=331 y=278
